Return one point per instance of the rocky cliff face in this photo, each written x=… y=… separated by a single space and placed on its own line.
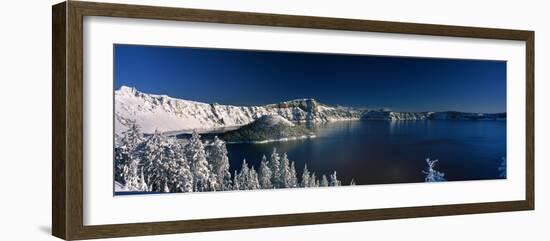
x=170 y=114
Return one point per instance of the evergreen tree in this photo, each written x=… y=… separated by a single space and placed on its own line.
x=285 y=173
x=305 y=177
x=196 y=155
x=236 y=183
x=275 y=166
x=293 y=176
x=155 y=158
x=143 y=185
x=334 y=182
x=128 y=154
x=213 y=184
x=217 y=158
x=433 y=175
x=252 y=179
x=132 y=181
x=265 y=174
x=172 y=152
x=313 y=182
x=182 y=177
x=352 y=183
x=324 y=181
x=243 y=176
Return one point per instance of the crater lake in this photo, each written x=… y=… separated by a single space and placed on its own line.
x=384 y=152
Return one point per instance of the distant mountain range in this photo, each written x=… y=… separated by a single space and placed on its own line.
x=169 y=114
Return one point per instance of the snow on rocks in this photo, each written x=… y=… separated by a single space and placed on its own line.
x=164 y=113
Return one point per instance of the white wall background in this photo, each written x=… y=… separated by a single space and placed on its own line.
x=25 y=119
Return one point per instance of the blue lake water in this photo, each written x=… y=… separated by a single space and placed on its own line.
x=383 y=152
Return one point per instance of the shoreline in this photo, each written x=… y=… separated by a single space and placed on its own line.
x=273 y=140
x=236 y=127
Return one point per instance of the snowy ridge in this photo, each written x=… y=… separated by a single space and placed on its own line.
x=170 y=114
x=167 y=114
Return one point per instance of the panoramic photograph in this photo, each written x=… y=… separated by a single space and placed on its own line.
x=205 y=119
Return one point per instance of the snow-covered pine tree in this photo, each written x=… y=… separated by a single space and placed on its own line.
x=285 y=173
x=265 y=174
x=252 y=179
x=143 y=185
x=154 y=156
x=196 y=155
x=218 y=159
x=171 y=163
x=213 y=184
x=431 y=174
x=313 y=180
x=242 y=177
x=119 y=160
x=352 y=182
x=293 y=176
x=305 y=177
x=128 y=153
x=334 y=182
x=324 y=181
x=275 y=166
x=236 y=183
x=182 y=177
x=131 y=175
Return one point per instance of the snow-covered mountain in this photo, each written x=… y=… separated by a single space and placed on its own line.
x=169 y=114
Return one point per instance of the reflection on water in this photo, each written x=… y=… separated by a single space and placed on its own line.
x=376 y=152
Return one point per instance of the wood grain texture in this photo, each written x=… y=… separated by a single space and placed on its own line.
x=59 y=193
x=280 y=20
x=530 y=120
x=139 y=229
x=67 y=136
x=75 y=125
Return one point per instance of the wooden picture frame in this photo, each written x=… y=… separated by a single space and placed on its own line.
x=67 y=123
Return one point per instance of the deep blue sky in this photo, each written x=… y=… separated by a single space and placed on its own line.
x=242 y=77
